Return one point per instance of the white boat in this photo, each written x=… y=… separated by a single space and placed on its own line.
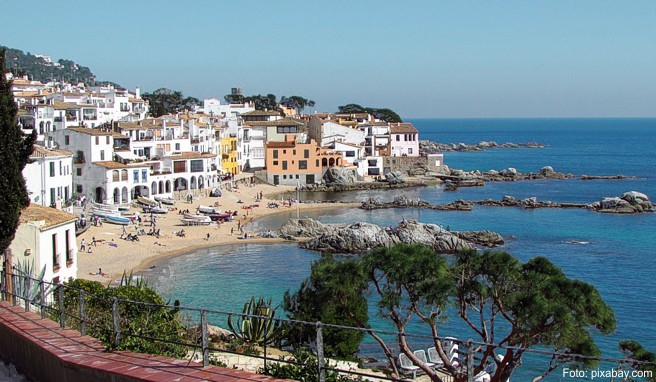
x=155 y=210
x=146 y=201
x=165 y=200
x=198 y=218
x=117 y=220
x=194 y=222
x=208 y=210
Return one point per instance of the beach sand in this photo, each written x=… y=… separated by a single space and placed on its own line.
x=114 y=255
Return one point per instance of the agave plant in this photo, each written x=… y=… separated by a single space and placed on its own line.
x=32 y=289
x=257 y=324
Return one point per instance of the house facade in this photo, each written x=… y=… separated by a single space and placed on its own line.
x=49 y=177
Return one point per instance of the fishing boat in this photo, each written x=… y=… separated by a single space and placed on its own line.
x=199 y=218
x=117 y=220
x=146 y=201
x=208 y=210
x=155 y=210
x=165 y=200
x=220 y=217
x=194 y=222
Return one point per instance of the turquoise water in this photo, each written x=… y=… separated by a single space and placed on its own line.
x=619 y=260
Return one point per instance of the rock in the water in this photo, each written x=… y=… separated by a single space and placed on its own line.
x=630 y=203
x=547 y=171
x=361 y=237
x=485 y=238
x=508 y=172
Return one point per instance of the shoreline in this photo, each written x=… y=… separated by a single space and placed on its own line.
x=113 y=255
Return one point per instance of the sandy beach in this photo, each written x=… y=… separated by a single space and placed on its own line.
x=115 y=255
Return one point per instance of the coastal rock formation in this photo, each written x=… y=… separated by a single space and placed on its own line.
x=340 y=175
x=402 y=201
x=485 y=238
x=394 y=177
x=430 y=147
x=360 y=237
x=459 y=178
x=336 y=187
x=630 y=203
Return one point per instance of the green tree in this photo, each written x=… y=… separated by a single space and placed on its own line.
x=15 y=151
x=333 y=294
x=383 y=114
x=510 y=305
x=264 y=102
x=166 y=101
x=639 y=358
x=296 y=102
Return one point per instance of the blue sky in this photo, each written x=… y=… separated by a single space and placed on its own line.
x=420 y=58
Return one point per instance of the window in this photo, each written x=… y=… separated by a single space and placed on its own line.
x=296 y=176
x=275 y=154
x=107 y=139
x=135 y=176
x=398 y=137
x=306 y=153
x=102 y=154
x=197 y=165
x=287 y=130
x=275 y=162
x=67 y=140
x=69 y=253
x=177 y=147
x=78 y=188
x=350 y=154
x=144 y=175
x=79 y=172
x=302 y=165
x=52 y=195
x=284 y=165
x=97 y=140
x=284 y=176
x=61 y=168
x=284 y=151
x=55 y=257
x=317 y=162
x=293 y=152
x=52 y=169
x=409 y=150
x=179 y=166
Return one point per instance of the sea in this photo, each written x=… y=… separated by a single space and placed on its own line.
x=615 y=253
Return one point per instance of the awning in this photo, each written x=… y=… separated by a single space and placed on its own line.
x=128 y=155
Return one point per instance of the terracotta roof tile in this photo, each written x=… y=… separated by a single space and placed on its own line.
x=52 y=216
x=42 y=152
x=402 y=128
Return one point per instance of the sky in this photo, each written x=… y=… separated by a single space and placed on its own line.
x=449 y=59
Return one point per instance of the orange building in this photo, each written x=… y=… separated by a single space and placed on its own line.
x=291 y=163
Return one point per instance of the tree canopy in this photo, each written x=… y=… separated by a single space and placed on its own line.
x=383 y=114
x=15 y=151
x=166 y=101
x=510 y=305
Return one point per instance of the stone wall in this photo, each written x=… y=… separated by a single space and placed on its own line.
x=415 y=165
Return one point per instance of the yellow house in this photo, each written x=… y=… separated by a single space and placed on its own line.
x=229 y=155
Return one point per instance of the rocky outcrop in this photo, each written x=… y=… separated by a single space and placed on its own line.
x=430 y=147
x=484 y=238
x=394 y=177
x=458 y=178
x=365 y=185
x=402 y=201
x=607 y=177
x=360 y=237
x=630 y=203
x=340 y=175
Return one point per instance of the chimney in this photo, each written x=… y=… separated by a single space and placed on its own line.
x=137 y=93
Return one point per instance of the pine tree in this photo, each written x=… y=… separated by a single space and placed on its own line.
x=15 y=151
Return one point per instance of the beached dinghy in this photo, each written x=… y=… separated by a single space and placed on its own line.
x=208 y=210
x=117 y=220
x=165 y=200
x=198 y=218
x=146 y=201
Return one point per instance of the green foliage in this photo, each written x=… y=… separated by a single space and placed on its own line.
x=305 y=369
x=296 y=102
x=263 y=102
x=333 y=294
x=27 y=269
x=15 y=151
x=166 y=101
x=257 y=325
x=38 y=69
x=633 y=351
x=160 y=322
x=383 y=114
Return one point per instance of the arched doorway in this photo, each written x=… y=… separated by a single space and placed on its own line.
x=168 y=186
x=201 y=183
x=139 y=191
x=117 y=195
x=180 y=184
x=100 y=195
x=161 y=187
x=124 y=195
x=153 y=188
x=193 y=183
x=324 y=162
x=331 y=162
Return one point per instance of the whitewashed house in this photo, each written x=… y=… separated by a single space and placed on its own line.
x=46 y=236
x=404 y=140
x=49 y=177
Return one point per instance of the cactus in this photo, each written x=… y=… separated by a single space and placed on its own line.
x=252 y=326
x=31 y=289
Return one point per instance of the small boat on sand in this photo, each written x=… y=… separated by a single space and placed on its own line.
x=208 y=210
x=198 y=218
x=220 y=217
x=165 y=200
x=155 y=210
x=117 y=220
x=146 y=201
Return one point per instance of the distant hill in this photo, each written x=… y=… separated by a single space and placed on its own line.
x=43 y=68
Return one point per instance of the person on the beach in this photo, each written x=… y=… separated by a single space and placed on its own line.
x=232 y=230
x=83 y=245
x=93 y=242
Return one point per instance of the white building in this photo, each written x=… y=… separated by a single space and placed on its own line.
x=47 y=237
x=404 y=140
x=49 y=177
x=329 y=131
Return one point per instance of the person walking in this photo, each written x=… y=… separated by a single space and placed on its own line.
x=83 y=245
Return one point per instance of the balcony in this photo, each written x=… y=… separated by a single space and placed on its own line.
x=79 y=158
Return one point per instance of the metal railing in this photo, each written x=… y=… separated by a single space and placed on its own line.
x=51 y=301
